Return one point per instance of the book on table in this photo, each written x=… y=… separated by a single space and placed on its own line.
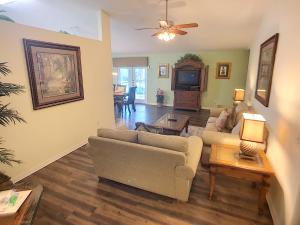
x=11 y=201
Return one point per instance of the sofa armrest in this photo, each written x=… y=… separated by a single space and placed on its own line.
x=189 y=170
x=213 y=137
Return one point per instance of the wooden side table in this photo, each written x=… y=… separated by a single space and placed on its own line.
x=26 y=213
x=224 y=159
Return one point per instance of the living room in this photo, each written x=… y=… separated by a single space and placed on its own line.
x=73 y=150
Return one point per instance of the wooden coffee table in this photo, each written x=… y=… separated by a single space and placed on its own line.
x=224 y=159
x=173 y=124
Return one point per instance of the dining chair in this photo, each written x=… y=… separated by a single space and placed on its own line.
x=130 y=99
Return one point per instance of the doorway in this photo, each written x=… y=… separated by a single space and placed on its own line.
x=134 y=76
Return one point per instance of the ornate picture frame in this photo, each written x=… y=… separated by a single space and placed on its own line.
x=163 y=71
x=54 y=72
x=266 y=63
x=223 y=70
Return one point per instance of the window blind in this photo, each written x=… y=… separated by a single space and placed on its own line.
x=131 y=62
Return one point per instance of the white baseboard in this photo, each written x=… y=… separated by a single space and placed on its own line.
x=46 y=163
x=151 y=103
x=275 y=217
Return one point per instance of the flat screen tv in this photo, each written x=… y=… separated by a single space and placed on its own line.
x=187 y=79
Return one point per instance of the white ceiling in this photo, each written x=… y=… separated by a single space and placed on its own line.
x=223 y=24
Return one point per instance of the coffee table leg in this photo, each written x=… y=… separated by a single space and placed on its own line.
x=262 y=194
x=212 y=181
x=187 y=127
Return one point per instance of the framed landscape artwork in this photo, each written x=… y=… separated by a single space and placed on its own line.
x=223 y=70
x=265 y=70
x=54 y=72
x=163 y=71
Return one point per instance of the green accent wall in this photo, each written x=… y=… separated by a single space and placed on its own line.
x=219 y=91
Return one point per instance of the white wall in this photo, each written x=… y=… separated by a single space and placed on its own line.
x=56 y=15
x=52 y=132
x=283 y=111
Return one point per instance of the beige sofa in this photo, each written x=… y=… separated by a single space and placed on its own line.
x=229 y=135
x=161 y=164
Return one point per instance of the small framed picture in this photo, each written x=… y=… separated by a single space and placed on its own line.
x=163 y=71
x=223 y=70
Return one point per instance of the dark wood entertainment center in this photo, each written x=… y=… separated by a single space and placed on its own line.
x=188 y=96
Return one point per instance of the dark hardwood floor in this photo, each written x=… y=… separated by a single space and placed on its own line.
x=149 y=114
x=73 y=195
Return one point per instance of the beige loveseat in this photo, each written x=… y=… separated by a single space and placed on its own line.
x=229 y=135
x=161 y=164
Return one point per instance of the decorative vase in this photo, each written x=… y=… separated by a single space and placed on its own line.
x=160 y=100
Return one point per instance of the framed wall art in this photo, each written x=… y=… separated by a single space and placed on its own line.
x=54 y=72
x=163 y=71
x=223 y=70
x=265 y=70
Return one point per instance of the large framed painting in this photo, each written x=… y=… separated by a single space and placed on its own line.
x=54 y=72
x=265 y=70
x=163 y=71
x=223 y=70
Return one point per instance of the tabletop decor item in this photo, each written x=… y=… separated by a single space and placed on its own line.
x=223 y=70
x=54 y=72
x=160 y=97
x=163 y=71
x=265 y=70
x=252 y=132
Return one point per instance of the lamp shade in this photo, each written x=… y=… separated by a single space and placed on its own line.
x=238 y=94
x=253 y=128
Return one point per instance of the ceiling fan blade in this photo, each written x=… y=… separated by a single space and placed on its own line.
x=148 y=28
x=188 y=25
x=157 y=33
x=180 y=32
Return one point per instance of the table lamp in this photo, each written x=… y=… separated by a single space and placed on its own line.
x=252 y=132
x=238 y=95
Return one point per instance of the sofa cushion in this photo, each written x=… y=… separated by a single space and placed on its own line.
x=236 y=129
x=240 y=109
x=121 y=135
x=176 y=143
x=211 y=127
x=221 y=121
x=212 y=119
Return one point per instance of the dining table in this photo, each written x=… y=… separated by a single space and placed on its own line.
x=119 y=98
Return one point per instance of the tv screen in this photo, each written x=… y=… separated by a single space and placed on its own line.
x=187 y=78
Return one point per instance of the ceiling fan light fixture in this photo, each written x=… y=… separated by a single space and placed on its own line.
x=166 y=36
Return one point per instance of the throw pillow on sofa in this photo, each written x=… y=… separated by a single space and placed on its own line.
x=176 y=143
x=221 y=121
x=121 y=135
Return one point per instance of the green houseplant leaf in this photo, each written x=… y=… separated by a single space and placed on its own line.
x=4 y=17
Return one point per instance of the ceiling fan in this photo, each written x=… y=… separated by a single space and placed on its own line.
x=167 y=29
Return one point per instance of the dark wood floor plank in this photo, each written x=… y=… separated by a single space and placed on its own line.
x=73 y=195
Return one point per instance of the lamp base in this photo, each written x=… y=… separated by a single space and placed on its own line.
x=247 y=157
x=249 y=148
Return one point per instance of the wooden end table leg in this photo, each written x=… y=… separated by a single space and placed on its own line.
x=262 y=194
x=212 y=181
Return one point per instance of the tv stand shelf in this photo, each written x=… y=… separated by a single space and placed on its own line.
x=188 y=96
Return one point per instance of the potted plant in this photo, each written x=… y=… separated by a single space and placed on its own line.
x=7 y=116
x=160 y=97
x=4 y=17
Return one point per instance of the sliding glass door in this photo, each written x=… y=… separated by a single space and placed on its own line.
x=134 y=76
